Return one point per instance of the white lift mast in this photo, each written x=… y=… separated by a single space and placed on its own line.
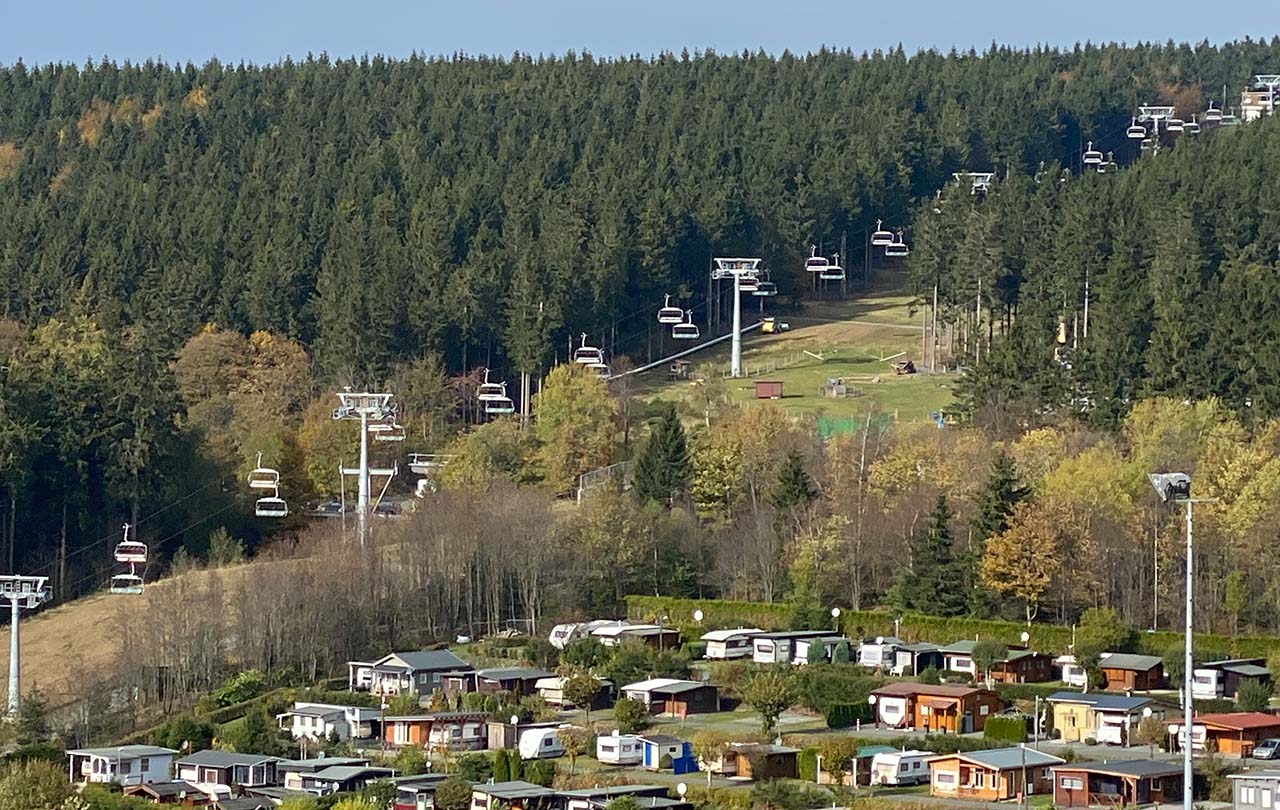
x=737 y=269
x=22 y=592
x=365 y=408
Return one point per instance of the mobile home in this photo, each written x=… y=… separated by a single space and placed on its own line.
x=540 y=743
x=779 y=647
x=900 y=768
x=723 y=645
x=619 y=749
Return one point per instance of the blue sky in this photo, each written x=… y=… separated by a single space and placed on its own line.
x=267 y=30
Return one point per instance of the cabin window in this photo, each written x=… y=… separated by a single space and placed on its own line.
x=984 y=710
x=608 y=749
x=979 y=778
x=1265 y=795
x=942 y=778
x=1072 y=783
x=126 y=766
x=146 y=763
x=902 y=768
x=1248 y=795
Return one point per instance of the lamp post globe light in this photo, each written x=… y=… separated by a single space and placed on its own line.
x=1175 y=488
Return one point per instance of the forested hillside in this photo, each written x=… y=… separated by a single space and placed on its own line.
x=1097 y=292
x=192 y=258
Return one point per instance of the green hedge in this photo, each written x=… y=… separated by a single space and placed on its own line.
x=844 y=715
x=1005 y=729
x=723 y=613
x=807 y=761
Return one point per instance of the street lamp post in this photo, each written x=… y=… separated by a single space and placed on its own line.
x=1176 y=488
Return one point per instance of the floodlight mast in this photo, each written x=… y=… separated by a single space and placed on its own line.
x=1175 y=488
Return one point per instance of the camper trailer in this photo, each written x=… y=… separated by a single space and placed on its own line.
x=723 y=645
x=619 y=749
x=562 y=635
x=900 y=768
x=540 y=743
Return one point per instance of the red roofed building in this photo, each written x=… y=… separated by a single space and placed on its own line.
x=942 y=707
x=1233 y=733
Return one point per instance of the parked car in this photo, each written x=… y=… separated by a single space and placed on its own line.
x=329 y=509
x=1267 y=749
x=387 y=509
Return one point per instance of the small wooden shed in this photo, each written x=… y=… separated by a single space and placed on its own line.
x=768 y=389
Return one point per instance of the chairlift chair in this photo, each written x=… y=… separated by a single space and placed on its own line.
x=1136 y=131
x=503 y=405
x=1191 y=127
x=272 y=506
x=1174 y=125
x=1229 y=120
x=395 y=434
x=1109 y=165
x=688 y=330
x=490 y=390
x=834 y=271
x=1092 y=157
x=898 y=248
x=1213 y=115
x=765 y=289
x=668 y=314
x=1147 y=144
x=881 y=237
x=261 y=477
x=587 y=355
x=129 y=583
x=602 y=371
x=815 y=263
x=748 y=284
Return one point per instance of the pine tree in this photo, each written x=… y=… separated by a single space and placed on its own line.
x=794 y=487
x=995 y=504
x=933 y=581
x=662 y=470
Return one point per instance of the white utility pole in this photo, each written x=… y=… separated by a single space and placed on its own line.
x=735 y=365
x=22 y=592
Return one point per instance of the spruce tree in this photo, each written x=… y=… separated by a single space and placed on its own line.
x=662 y=470
x=933 y=582
x=795 y=487
x=995 y=504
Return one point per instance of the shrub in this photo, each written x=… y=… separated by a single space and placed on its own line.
x=238 y=688
x=475 y=767
x=807 y=761
x=540 y=772
x=929 y=676
x=630 y=715
x=454 y=793
x=695 y=650
x=1006 y=729
x=1255 y=696
x=844 y=715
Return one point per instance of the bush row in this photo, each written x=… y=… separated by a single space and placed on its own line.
x=719 y=613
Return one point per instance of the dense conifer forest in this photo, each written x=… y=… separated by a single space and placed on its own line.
x=191 y=257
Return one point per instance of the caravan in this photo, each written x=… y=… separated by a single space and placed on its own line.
x=619 y=749
x=540 y=743
x=900 y=768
